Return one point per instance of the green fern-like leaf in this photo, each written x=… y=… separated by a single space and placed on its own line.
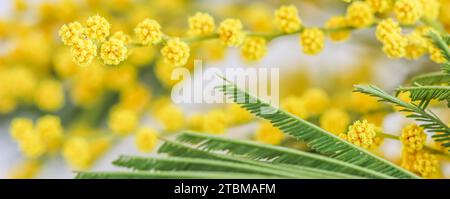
x=170 y=175
x=247 y=152
x=425 y=94
x=200 y=164
x=428 y=119
x=438 y=78
x=318 y=139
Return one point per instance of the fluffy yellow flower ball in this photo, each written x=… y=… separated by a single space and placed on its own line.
x=76 y=152
x=83 y=51
x=146 y=139
x=394 y=46
x=148 y=32
x=135 y=97
x=421 y=163
x=231 y=33
x=113 y=52
x=49 y=95
x=269 y=134
x=385 y=28
x=253 y=48
x=175 y=52
x=381 y=6
x=361 y=133
x=312 y=41
x=201 y=24
x=316 y=100
x=335 y=121
x=408 y=12
x=337 y=22
x=287 y=20
x=97 y=28
x=122 y=121
x=359 y=14
x=69 y=33
x=413 y=138
x=50 y=130
x=426 y=164
x=389 y=33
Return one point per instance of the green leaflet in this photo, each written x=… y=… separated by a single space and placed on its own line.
x=427 y=93
x=173 y=148
x=199 y=164
x=428 y=119
x=442 y=45
x=318 y=139
x=436 y=78
x=169 y=175
x=256 y=151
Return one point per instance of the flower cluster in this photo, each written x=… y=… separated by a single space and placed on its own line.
x=287 y=20
x=35 y=141
x=413 y=138
x=361 y=133
x=81 y=40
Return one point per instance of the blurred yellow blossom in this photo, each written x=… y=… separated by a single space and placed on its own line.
x=50 y=131
x=338 y=25
x=335 y=121
x=146 y=139
x=316 y=100
x=215 y=121
x=49 y=95
x=170 y=116
x=122 y=121
x=269 y=134
x=76 y=153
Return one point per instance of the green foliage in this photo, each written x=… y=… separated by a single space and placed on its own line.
x=438 y=78
x=425 y=94
x=196 y=155
x=181 y=160
x=317 y=139
x=239 y=149
x=430 y=121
